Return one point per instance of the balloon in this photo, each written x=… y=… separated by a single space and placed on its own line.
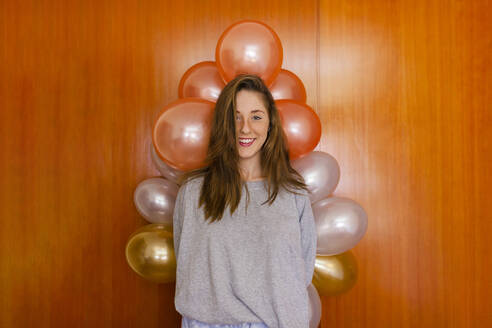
x=320 y=172
x=301 y=125
x=150 y=253
x=154 y=199
x=181 y=133
x=167 y=172
x=340 y=223
x=314 y=307
x=249 y=47
x=288 y=86
x=334 y=275
x=201 y=80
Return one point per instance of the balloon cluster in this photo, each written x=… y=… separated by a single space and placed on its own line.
x=180 y=139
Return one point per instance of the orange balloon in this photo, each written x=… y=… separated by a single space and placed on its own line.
x=301 y=126
x=288 y=86
x=201 y=80
x=249 y=47
x=182 y=131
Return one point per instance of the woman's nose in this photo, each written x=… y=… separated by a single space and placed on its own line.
x=245 y=127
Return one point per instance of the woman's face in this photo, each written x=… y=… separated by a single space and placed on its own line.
x=252 y=123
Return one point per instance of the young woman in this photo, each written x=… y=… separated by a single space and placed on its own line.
x=244 y=233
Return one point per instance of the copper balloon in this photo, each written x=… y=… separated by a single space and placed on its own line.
x=288 y=86
x=336 y=274
x=150 y=253
x=202 y=80
x=301 y=125
x=249 y=47
x=167 y=171
x=181 y=133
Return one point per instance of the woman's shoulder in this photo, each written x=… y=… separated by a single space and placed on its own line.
x=192 y=184
x=297 y=191
x=301 y=197
x=303 y=205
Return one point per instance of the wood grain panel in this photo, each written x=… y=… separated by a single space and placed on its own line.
x=405 y=106
x=403 y=92
x=81 y=84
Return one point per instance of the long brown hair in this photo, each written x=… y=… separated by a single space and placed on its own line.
x=222 y=182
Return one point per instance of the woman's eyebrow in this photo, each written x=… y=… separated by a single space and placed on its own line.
x=254 y=111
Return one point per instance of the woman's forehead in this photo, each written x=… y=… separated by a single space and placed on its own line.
x=250 y=101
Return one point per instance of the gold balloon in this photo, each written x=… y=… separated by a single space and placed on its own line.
x=335 y=274
x=150 y=253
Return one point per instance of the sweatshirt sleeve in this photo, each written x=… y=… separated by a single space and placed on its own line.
x=178 y=216
x=308 y=235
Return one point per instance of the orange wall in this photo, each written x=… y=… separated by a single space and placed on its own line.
x=403 y=92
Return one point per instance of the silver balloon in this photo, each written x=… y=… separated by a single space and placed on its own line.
x=155 y=198
x=340 y=224
x=314 y=307
x=167 y=171
x=321 y=173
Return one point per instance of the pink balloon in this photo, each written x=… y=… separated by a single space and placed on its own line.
x=182 y=131
x=301 y=125
x=249 y=47
x=202 y=80
x=314 y=307
x=288 y=86
x=154 y=199
x=340 y=224
x=167 y=172
x=321 y=173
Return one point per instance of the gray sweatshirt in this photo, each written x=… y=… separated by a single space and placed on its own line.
x=247 y=267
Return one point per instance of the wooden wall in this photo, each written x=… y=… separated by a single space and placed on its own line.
x=403 y=92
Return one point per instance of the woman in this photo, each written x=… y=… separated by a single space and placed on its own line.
x=244 y=259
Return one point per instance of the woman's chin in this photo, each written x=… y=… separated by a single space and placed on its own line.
x=248 y=155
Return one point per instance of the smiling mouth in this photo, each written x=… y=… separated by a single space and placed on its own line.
x=246 y=142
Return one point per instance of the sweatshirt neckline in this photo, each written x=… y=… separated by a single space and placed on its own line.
x=256 y=184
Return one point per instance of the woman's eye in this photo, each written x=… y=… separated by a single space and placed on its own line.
x=257 y=117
